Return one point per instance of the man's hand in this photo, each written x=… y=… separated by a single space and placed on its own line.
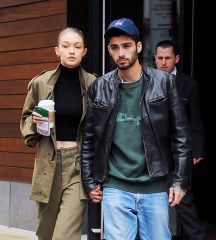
x=96 y=194
x=175 y=195
x=197 y=160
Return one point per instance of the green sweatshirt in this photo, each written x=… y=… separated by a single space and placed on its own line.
x=127 y=164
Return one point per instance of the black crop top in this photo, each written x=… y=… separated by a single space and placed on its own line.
x=68 y=104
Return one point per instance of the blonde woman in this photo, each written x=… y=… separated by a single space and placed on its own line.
x=56 y=184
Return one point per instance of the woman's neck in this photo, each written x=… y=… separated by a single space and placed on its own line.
x=65 y=71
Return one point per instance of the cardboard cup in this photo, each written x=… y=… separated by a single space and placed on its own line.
x=49 y=105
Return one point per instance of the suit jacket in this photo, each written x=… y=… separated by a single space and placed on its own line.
x=189 y=92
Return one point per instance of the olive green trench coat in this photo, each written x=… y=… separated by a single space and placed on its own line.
x=39 y=88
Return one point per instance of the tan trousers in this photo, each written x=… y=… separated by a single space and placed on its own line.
x=62 y=217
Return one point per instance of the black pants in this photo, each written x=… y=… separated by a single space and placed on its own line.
x=190 y=223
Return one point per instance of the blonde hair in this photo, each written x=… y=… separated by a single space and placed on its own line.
x=71 y=30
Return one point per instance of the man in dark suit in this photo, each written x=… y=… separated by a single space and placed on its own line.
x=166 y=59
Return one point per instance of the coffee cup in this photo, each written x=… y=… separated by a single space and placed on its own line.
x=49 y=105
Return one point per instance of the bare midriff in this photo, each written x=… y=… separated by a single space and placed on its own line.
x=65 y=144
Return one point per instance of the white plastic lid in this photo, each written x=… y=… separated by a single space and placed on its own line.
x=46 y=103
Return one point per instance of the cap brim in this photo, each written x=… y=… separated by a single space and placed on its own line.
x=112 y=31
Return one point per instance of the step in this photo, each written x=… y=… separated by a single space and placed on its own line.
x=10 y=233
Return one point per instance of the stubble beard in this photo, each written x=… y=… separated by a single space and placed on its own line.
x=129 y=65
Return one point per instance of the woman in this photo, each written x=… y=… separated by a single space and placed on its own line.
x=56 y=182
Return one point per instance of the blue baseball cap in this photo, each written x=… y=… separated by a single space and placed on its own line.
x=124 y=24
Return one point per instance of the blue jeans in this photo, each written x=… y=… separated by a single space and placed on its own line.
x=125 y=213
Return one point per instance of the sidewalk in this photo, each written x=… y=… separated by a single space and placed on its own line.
x=10 y=233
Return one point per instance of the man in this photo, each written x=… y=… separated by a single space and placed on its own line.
x=135 y=125
x=166 y=59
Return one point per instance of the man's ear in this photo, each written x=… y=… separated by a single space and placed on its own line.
x=109 y=51
x=139 y=47
x=177 y=58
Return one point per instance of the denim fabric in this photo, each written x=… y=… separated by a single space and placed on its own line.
x=127 y=213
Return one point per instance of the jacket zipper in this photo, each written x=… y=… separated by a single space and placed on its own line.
x=110 y=132
x=143 y=106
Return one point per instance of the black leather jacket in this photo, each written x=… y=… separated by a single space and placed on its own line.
x=165 y=128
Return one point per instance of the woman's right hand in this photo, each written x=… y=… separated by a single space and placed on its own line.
x=37 y=118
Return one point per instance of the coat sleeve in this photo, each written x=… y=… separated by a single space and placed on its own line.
x=28 y=129
x=196 y=124
x=87 y=149
x=180 y=137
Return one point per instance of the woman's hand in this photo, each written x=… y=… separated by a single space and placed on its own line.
x=37 y=118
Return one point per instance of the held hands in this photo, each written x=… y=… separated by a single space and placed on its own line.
x=175 y=195
x=96 y=194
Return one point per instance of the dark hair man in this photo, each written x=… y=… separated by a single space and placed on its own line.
x=135 y=126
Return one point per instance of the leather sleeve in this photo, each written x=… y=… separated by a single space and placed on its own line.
x=87 y=149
